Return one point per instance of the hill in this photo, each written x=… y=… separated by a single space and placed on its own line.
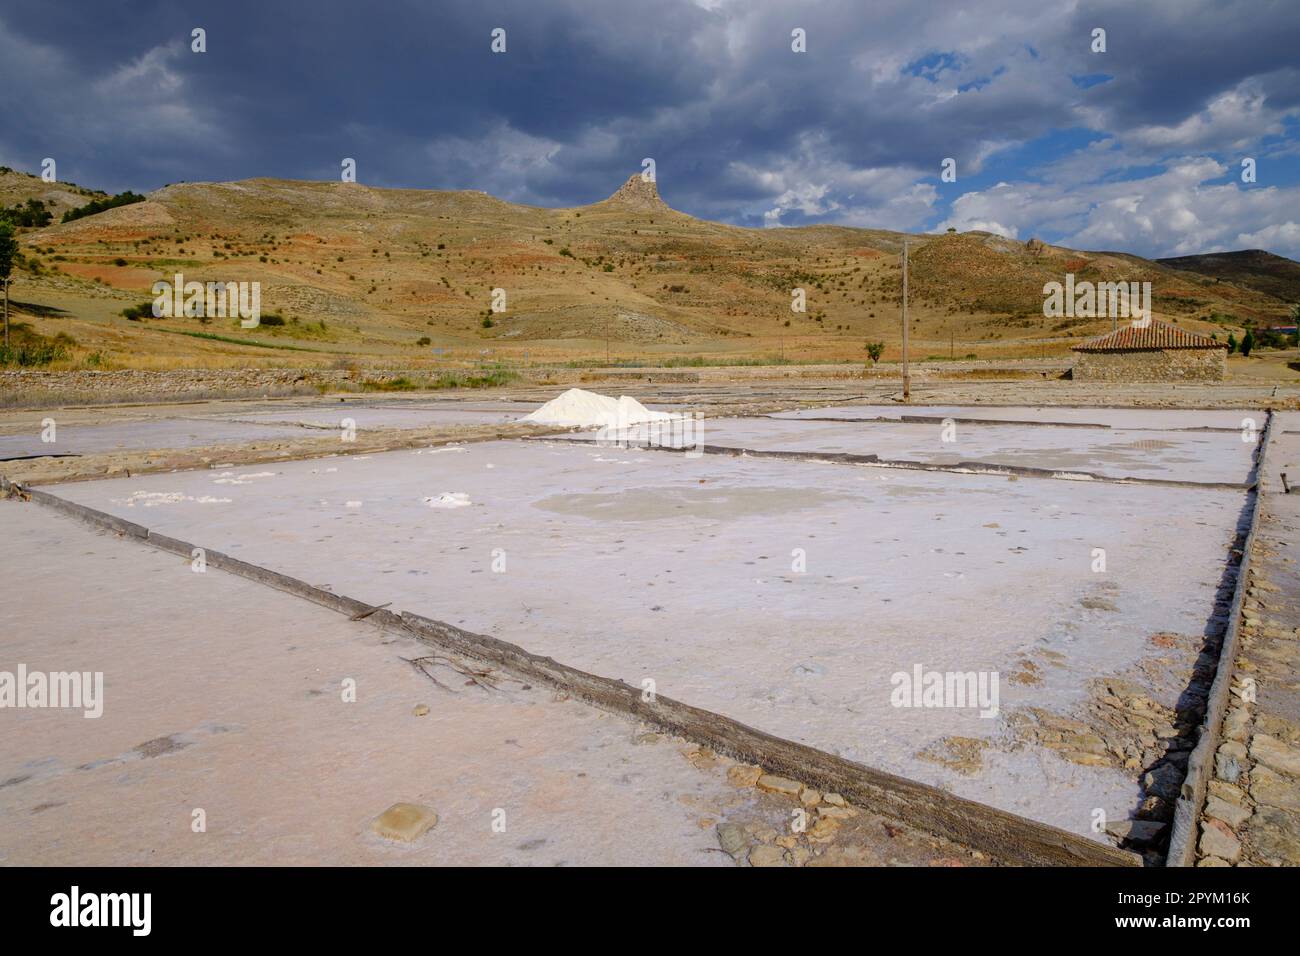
x=16 y=188
x=380 y=275
x=1249 y=268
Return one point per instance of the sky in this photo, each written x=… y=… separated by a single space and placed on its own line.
x=1137 y=148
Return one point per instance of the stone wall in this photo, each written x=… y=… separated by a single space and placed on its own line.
x=37 y=387
x=43 y=388
x=1152 y=365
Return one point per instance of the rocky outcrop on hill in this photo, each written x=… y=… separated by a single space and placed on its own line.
x=638 y=192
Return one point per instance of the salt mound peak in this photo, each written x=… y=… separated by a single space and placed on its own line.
x=638 y=192
x=579 y=408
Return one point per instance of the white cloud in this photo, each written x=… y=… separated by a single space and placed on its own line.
x=1231 y=120
x=742 y=128
x=816 y=189
x=1285 y=235
x=1176 y=212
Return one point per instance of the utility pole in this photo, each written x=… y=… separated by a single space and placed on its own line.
x=907 y=375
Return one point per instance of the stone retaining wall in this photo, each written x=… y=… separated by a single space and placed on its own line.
x=37 y=388
x=1152 y=365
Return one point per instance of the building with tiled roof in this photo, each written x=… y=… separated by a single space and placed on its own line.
x=1156 y=352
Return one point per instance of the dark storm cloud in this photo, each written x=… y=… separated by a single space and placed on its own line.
x=741 y=128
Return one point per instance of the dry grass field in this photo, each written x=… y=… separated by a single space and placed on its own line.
x=405 y=277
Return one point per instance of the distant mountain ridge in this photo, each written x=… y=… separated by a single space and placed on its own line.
x=1252 y=268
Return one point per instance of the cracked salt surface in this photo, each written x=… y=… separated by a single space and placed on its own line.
x=682 y=570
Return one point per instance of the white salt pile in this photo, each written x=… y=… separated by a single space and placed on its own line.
x=580 y=408
x=449 y=499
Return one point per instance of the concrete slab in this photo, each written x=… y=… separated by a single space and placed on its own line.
x=122 y=436
x=78 y=432
x=1140 y=418
x=1209 y=456
x=784 y=594
x=225 y=696
x=386 y=416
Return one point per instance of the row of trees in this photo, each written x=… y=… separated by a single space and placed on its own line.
x=1264 y=338
x=99 y=205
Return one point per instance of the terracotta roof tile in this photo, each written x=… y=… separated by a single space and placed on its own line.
x=1157 y=335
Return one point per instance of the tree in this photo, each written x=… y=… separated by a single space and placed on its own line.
x=33 y=215
x=8 y=250
x=1232 y=343
x=1247 y=343
x=875 y=350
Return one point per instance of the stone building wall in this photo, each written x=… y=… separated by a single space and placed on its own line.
x=1152 y=365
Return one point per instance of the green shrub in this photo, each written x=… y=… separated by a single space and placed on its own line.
x=28 y=348
x=401 y=384
x=32 y=215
